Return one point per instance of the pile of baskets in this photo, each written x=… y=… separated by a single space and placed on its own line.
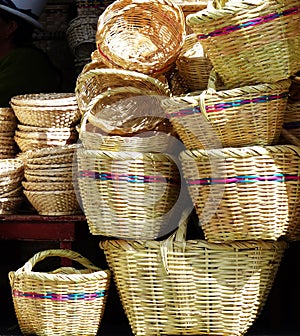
x=8 y=124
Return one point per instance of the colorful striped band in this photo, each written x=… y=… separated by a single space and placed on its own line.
x=226 y=105
x=106 y=176
x=60 y=297
x=244 y=179
x=249 y=23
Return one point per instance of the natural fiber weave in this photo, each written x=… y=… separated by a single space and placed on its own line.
x=292 y=118
x=10 y=205
x=91 y=7
x=32 y=177
x=121 y=102
x=295 y=88
x=245 y=116
x=256 y=191
x=141 y=35
x=66 y=301
x=179 y=287
x=27 y=144
x=127 y=194
x=7 y=113
x=45 y=99
x=243 y=38
x=50 y=152
x=54 y=202
x=47 y=186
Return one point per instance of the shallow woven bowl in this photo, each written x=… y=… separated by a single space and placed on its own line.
x=247 y=193
x=47 y=186
x=140 y=35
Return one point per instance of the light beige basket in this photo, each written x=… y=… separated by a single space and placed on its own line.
x=140 y=35
x=54 y=202
x=128 y=194
x=47 y=186
x=66 y=301
x=192 y=287
x=45 y=99
x=242 y=40
x=256 y=191
x=245 y=116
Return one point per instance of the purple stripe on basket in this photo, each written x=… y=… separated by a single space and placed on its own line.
x=107 y=176
x=244 y=179
x=226 y=105
x=252 y=22
x=60 y=297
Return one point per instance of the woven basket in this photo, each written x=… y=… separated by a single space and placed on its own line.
x=81 y=34
x=140 y=35
x=295 y=88
x=245 y=193
x=192 y=287
x=242 y=40
x=118 y=101
x=292 y=118
x=128 y=194
x=47 y=186
x=54 y=202
x=67 y=301
x=27 y=144
x=10 y=205
x=91 y=7
x=246 y=116
x=7 y=114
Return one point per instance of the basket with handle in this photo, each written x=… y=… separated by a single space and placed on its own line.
x=192 y=287
x=242 y=40
x=128 y=195
x=140 y=35
x=258 y=190
x=66 y=301
x=245 y=116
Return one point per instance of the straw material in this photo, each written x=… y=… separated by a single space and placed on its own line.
x=141 y=35
x=245 y=193
x=27 y=144
x=51 y=152
x=81 y=34
x=246 y=116
x=295 y=88
x=121 y=102
x=10 y=205
x=54 y=202
x=47 y=186
x=70 y=301
x=127 y=194
x=91 y=7
x=45 y=99
x=242 y=40
x=179 y=287
x=7 y=114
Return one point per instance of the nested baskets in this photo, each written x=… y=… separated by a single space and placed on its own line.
x=121 y=102
x=250 y=42
x=46 y=110
x=66 y=301
x=245 y=193
x=245 y=116
x=8 y=124
x=192 y=287
x=141 y=35
x=128 y=194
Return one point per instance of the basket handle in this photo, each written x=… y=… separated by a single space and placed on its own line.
x=64 y=253
x=290 y=137
x=211 y=88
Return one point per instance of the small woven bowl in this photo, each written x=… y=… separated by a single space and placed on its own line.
x=47 y=186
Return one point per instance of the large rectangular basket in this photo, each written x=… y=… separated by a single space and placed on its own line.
x=250 y=42
x=66 y=301
x=245 y=193
x=129 y=195
x=192 y=287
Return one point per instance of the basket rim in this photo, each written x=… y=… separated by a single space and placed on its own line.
x=44 y=99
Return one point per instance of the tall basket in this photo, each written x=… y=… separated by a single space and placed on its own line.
x=192 y=287
x=66 y=301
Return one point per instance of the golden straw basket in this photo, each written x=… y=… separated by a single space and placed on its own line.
x=242 y=40
x=192 y=287
x=141 y=35
x=66 y=301
x=245 y=193
x=128 y=194
x=292 y=118
x=245 y=116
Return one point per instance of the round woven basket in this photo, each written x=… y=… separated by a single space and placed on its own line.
x=258 y=190
x=242 y=40
x=192 y=287
x=45 y=99
x=10 y=205
x=127 y=194
x=140 y=35
x=245 y=116
x=7 y=114
x=47 y=186
x=30 y=176
x=295 y=88
x=81 y=34
x=27 y=144
x=121 y=102
x=71 y=300
x=53 y=202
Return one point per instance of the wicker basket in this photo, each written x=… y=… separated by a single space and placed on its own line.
x=192 y=287
x=81 y=35
x=292 y=117
x=118 y=101
x=243 y=38
x=246 y=116
x=46 y=110
x=128 y=194
x=11 y=205
x=66 y=301
x=7 y=114
x=47 y=186
x=91 y=7
x=245 y=193
x=140 y=35
x=295 y=88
